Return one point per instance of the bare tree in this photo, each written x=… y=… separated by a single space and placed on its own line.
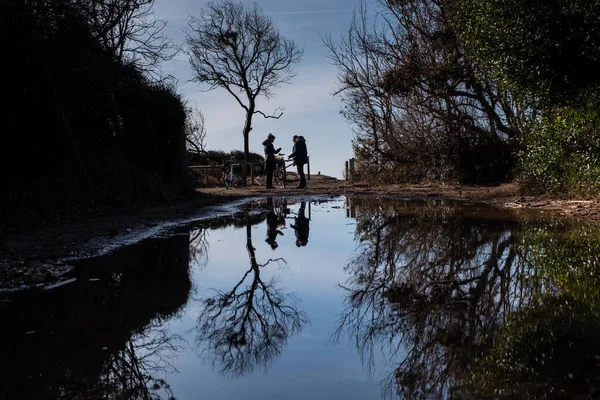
x=195 y=131
x=130 y=31
x=416 y=102
x=239 y=49
x=249 y=325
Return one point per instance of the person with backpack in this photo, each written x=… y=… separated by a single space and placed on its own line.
x=300 y=156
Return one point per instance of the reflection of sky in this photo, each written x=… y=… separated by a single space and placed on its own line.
x=310 y=366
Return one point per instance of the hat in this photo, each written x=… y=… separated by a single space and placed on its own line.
x=295 y=136
x=271 y=136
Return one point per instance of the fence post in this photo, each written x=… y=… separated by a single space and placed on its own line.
x=347 y=170
x=347 y=207
x=352 y=169
x=308 y=167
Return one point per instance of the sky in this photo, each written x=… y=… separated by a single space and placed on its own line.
x=310 y=109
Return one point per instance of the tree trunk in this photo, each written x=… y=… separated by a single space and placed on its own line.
x=247 y=129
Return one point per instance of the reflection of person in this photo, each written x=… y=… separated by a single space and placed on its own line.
x=270 y=162
x=300 y=156
x=272 y=229
x=301 y=226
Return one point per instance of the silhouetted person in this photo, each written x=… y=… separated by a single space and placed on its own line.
x=270 y=161
x=300 y=156
x=301 y=226
x=272 y=229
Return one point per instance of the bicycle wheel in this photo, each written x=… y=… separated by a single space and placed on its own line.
x=277 y=177
x=238 y=180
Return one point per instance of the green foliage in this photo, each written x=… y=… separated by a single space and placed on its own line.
x=570 y=258
x=549 y=348
x=547 y=48
x=562 y=153
x=547 y=52
x=545 y=352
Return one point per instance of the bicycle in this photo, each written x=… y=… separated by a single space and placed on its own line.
x=280 y=174
x=232 y=179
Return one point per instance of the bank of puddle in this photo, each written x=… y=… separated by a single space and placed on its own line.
x=305 y=298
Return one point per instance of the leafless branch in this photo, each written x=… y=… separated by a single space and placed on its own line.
x=195 y=131
x=238 y=48
x=274 y=115
x=131 y=32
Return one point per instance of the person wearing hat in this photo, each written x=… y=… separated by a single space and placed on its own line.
x=300 y=156
x=270 y=161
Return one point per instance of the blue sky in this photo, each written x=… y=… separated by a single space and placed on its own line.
x=310 y=108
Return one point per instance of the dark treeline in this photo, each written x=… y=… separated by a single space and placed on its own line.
x=84 y=122
x=473 y=92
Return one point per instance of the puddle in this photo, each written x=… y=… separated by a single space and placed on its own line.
x=340 y=299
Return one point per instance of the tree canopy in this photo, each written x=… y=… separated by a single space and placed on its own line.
x=547 y=48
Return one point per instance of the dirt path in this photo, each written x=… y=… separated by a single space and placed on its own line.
x=40 y=256
x=505 y=196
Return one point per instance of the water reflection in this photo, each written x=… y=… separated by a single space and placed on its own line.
x=275 y=221
x=465 y=303
x=99 y=336
x=248 y=325
x=138 y=370
x=551 y=348
x=301 y=226
x=442 y=300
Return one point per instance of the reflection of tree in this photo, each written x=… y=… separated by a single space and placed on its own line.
x=99 y=336
x=250 y=324
x=550 y=349
x=427 y=286
x=547 y=351
x=199 y=247
x=137 y=370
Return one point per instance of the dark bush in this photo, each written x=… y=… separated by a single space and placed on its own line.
x=81 y=129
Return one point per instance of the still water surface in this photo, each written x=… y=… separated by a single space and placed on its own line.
x=341 y=299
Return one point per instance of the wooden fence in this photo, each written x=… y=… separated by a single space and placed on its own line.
x=204 y=170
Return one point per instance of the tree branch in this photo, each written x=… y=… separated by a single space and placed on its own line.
x=274 y=115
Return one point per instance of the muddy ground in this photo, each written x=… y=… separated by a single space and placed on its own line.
x=41 y=256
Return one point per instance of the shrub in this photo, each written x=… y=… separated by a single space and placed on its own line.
x=562 y=153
